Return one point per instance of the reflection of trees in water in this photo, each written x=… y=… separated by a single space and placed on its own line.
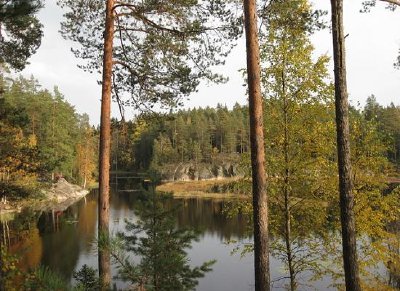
x=22 y=238
x=125 y=181
x=32 y=236
x=208 y=215
x=18 y=228
x=62 y=250
x=5 y=234
x=75 y=229
x=203 y=214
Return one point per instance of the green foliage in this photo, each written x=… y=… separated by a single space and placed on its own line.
x=40 y=133
x=8 y=269
x=20 y=33
x=196 y=135
x=161 y=247
x=301 y=157
x=86 y=278
x=299 y=136
x=161 y=48
x=45 y=279
x=387 y=122
x=17 y=191
x=85 y=155
x=12 y=278
x=242 y=186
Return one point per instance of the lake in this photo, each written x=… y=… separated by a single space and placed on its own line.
x=65 y=240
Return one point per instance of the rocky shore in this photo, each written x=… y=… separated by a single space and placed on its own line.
x=61 y=195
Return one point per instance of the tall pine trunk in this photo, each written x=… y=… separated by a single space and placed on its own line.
x=260 y=201
x=104 y=158
x=343 y=147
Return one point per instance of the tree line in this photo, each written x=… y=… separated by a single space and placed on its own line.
x=195 y=135
x=203 y=135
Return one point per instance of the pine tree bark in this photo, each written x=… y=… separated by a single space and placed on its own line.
x=104 y=158
x=260 y=199
x=343 y=147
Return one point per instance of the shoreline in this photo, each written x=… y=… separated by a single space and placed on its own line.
x=198 y=189
x=59 y=197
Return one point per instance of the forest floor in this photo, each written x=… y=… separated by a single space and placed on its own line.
x=201 y=189
x=59 y=197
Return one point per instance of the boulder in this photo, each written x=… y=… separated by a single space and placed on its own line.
x=62 y=190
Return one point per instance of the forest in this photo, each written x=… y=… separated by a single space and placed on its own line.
x=41 y=136
x=311 y=195
x=198 y=135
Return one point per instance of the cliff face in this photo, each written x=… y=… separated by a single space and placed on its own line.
x=192 y=171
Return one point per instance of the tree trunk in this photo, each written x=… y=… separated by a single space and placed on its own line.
x=104 y=158
x=3 y=249
x=343 y=146
x=286 y=186
x=260 y=201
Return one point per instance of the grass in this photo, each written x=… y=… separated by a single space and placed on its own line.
x=197 y=188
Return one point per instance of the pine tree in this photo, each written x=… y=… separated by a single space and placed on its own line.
x=162 y=49
x=161 y=247
x=260 y=197
x=20 y=31
x=343 y=147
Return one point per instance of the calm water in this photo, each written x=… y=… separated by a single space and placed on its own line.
x=64 y=241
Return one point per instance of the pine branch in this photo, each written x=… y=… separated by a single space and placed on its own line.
x=395 y=2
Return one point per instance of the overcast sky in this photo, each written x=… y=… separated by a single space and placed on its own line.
x=372 y=46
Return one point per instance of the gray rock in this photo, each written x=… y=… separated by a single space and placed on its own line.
x=190 y=171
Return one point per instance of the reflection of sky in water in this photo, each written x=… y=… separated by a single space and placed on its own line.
x=70 y=244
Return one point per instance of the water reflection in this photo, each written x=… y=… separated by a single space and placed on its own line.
x=63 y=240
x=208 y=215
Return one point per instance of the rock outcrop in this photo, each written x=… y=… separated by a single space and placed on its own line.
x=59 y=197
x=62 y=191
x=192 y=171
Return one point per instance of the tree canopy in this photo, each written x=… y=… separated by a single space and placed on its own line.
x=41 y=133
x=20 y=31
x=161 y=48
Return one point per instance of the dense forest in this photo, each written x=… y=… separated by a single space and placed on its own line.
x=42 y=136
x=200 y=135
x=197 y=135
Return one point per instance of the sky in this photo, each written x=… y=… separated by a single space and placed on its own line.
x=372 y=46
